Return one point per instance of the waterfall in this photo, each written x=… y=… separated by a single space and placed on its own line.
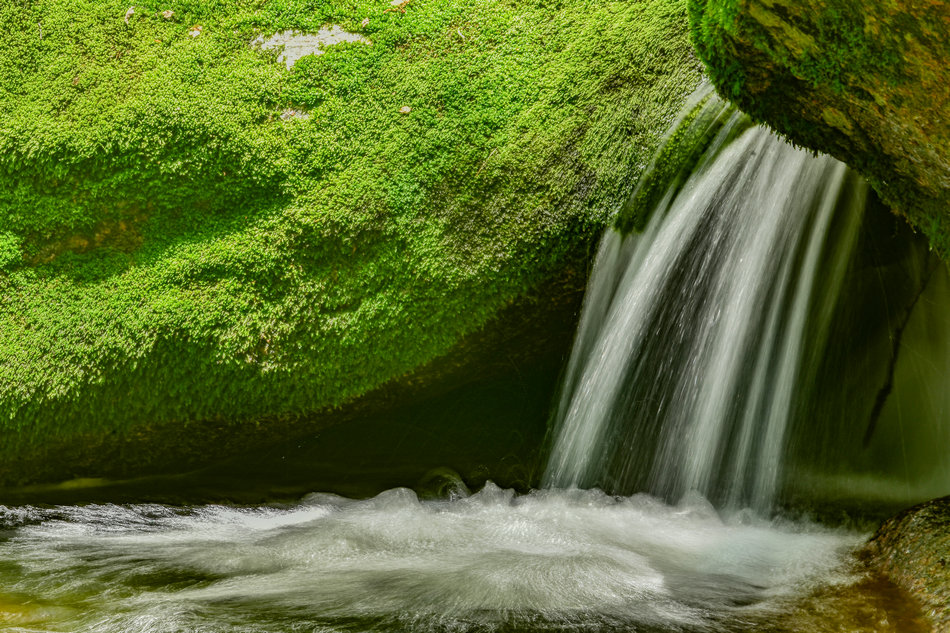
x=699 y=333
x=735 y=346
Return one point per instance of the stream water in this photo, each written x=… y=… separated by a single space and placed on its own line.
x=700 y=339
x=492 y=561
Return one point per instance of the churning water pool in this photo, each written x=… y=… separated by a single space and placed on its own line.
x=553 y=560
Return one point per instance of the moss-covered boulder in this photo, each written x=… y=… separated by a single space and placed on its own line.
x=913 y=550
x=866 y=81
x=198 y=243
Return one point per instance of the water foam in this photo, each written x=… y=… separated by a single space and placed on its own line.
x=565 y=560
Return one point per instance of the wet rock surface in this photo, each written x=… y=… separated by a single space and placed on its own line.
x=913 y=550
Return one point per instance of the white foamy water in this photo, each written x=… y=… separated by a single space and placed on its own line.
x=550 y=560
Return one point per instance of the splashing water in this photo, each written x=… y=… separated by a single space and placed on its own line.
x=561 y=560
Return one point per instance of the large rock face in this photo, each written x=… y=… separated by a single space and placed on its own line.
x=866 y=81
x=913 y=550
x=198 y=243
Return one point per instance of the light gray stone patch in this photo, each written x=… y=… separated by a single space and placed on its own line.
x=297 y=44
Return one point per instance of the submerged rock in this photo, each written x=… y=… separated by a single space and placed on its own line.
x=913 y=550
x=865 y=81
x=191 y=267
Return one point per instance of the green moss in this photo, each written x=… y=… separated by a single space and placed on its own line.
x=862 y=81
x=189 y=255
x=822 y=49
x=9 y=250
x=685 y=146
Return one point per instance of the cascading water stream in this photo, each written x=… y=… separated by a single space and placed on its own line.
x=692 y=342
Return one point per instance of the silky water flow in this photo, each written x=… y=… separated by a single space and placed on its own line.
x=690 y=348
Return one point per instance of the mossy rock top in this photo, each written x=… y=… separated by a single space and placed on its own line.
x=193 y=235
x=865 y=81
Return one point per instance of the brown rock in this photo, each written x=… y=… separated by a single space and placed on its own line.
x=913 y=550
